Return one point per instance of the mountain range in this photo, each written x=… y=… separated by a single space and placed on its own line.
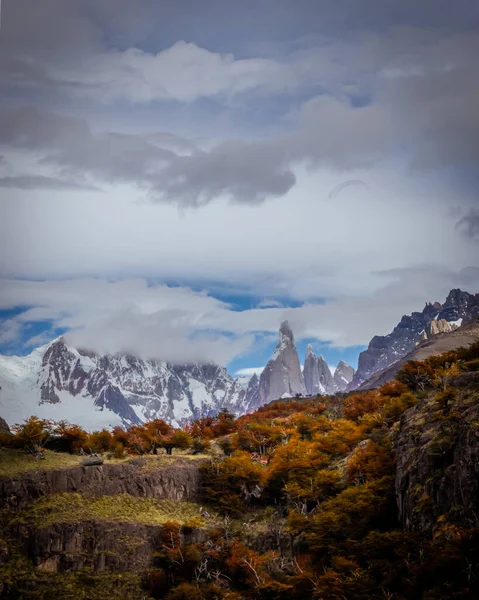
x=460 y=308
x=59 y=381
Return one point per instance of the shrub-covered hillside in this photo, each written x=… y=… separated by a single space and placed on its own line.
x=372 y=495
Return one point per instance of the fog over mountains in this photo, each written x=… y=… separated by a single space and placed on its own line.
x=59 y=381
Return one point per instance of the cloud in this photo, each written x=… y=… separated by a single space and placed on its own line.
x=249 y=372
x=254 y=117
x=417 y=84
x=180 y=325
x=468 y=226
x=40 y=182
x=270 y=303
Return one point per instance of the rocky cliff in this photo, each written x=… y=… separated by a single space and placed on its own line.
x=252 y=399
x=282 y=376
x=95 y=545
x=437 y=454
x=177 y=480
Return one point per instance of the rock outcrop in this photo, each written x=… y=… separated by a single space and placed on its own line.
x=139 y=477
x=437 y=326
x=96 y=545
x=316 y=374
x=4 y=428
x=282 y=375
x=437 y=453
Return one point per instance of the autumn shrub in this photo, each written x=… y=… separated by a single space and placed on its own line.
x=350 y=515
x=102 y=441
x=369 y=462
x=33 y=432
x=357 y=405
x=118 y=451
x=341 y=438
x=416 y=375
x=189 y=591
x=233 y=483
x=200 y=445
x=395 y=406
x=393 y=389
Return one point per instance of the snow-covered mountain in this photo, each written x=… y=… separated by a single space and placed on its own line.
x=58 y=382
x=459 y=308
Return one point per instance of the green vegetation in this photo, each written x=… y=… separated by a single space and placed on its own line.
x=14 y=462
x=75 y=508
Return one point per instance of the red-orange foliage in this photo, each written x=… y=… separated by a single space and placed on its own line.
x=357 y=405
x=369 y=462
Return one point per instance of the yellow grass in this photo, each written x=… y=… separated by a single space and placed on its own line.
x=16 y=462
x=74 y=508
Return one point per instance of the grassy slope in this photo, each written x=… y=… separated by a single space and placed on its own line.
x=123 y=508
x=16 y=462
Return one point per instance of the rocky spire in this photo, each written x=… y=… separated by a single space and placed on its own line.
x=316 y=373
x=343 y=376
x=282 y=375
x=252 y=399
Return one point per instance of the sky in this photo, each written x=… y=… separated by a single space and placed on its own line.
x=177 y=178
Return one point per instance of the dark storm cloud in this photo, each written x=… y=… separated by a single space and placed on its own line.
x=414 y=64
x=40 y=182
x=468 y=226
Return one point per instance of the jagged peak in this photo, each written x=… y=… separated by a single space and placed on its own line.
x=456 y=295
x=285 y=331
x=310 y=351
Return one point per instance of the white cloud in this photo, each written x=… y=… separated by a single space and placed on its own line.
x=249 y=372
x=181 y=325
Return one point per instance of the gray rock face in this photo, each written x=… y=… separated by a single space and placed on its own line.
x=176 y=481
x=282 y=375
x=96 y=545
x=317 y=376
x=460 y=308
x=4 y=428
x=343 y=376
x=252 y=397
x=437 y=458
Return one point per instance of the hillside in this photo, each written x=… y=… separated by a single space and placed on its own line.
x=459 y=308
x=439 y=343
x=368 y=496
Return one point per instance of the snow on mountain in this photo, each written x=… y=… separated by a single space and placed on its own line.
x=58 y=381
x=343 y=375
x=459 y=308
x=316 y=373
